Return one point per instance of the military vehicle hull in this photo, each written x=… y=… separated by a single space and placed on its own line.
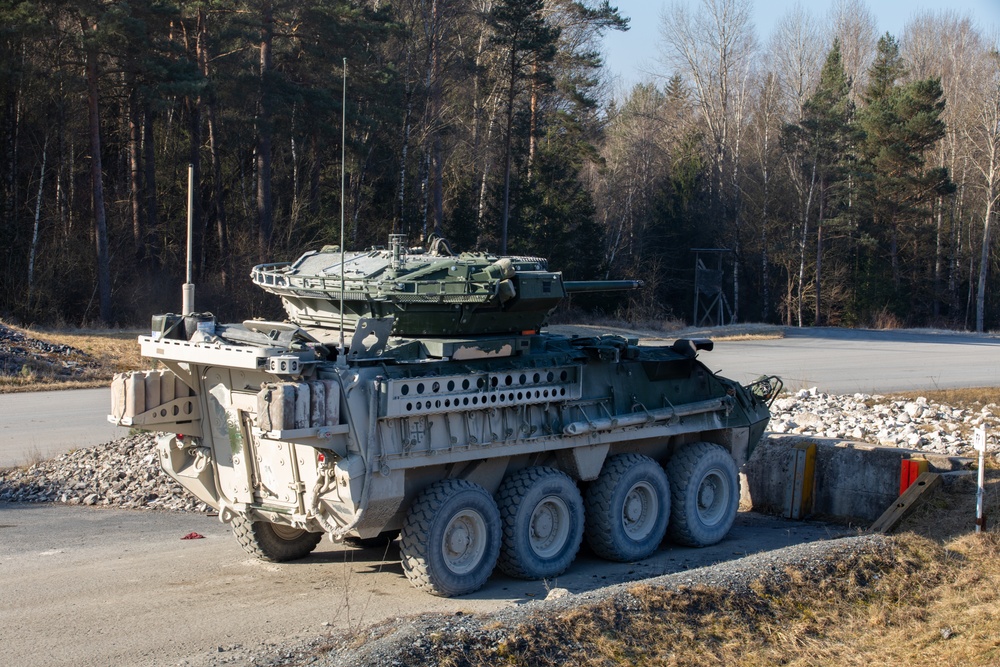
x=506 y=451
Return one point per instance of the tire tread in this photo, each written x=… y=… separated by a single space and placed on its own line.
x=259 y=540
x=679 y=471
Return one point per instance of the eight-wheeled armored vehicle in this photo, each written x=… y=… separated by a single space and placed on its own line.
x=450 y=419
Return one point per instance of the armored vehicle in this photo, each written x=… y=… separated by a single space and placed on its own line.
x=449 y=419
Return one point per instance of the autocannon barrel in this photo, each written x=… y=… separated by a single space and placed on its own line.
x=575 y=286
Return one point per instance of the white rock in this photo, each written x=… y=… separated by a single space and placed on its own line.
x=557 y=593
x=809 y=419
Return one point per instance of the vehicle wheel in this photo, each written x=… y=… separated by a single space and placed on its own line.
x=628 y=506
x=379 y=541
x=274 y=542
x=541 y=511
x=451 y=538
x=705 y=494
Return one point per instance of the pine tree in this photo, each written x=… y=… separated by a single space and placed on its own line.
x=821 y=142
x=528 y=45
x=901 y=124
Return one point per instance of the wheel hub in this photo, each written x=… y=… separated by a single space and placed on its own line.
x=542 y=526
x=464 y=541
x=713 y=497
x=639 y=511
x=458 y=540
x=707 y=495
x=549 y=526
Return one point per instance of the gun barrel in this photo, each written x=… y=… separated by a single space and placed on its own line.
x=575 y=286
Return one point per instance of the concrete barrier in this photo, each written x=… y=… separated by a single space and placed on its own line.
x=853 y=482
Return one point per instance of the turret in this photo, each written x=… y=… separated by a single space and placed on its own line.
x=428 y=292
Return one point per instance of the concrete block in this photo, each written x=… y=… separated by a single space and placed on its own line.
x=854 y=482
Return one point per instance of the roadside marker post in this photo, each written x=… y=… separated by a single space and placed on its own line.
x=979 y=442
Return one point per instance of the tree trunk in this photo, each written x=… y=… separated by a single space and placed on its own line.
x=197 y=219
x=38 y=217
x=399 y=226
x=487 y=164
x=802 y=241
x=506 y=156
x=96 y=178
x=135 y=168
x=533 y=121
x=938 y=255
x=218 y=195
x=436 y=157
x=264 y=213
x=984 y=262
x=149 y=184
x=819 y=257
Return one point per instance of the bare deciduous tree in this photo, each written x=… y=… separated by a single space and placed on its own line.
x=713 y=48
x=855 y=26
x=984 y=135
x=796 y=50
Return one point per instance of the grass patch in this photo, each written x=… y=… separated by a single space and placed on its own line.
x=98 y=355
x=964 y=398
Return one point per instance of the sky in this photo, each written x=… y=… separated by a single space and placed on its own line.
x=632 y=54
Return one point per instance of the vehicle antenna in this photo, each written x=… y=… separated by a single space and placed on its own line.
x=187 y=291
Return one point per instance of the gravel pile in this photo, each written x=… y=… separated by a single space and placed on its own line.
x=920 y=424
x=19 y=354
x=123 y=474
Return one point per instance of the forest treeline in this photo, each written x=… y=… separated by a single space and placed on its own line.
x=853 y=175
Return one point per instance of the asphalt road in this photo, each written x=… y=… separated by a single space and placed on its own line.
x=850 y=360
x=46 y=423
x=86 y=587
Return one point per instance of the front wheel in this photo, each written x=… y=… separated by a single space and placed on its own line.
x=451 y=538
x=705 y=489
x=273 y=542
x=628 y=506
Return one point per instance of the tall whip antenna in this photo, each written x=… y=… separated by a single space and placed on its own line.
x=187 y=291
x=341 y=356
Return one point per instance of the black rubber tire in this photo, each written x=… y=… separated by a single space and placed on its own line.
x=379 y=541
x=451 y=538
x=273 y=543
x=627 y=508
x=705 y=494
x=541 y=510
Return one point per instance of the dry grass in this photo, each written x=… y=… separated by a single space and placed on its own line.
x=966 y=398
x=109 y=352
x=932 y=598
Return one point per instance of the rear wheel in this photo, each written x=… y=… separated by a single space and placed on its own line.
x=628 y=506
x=542 y=514
x=451 y=538
x=274 y=542
x=705 y=494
